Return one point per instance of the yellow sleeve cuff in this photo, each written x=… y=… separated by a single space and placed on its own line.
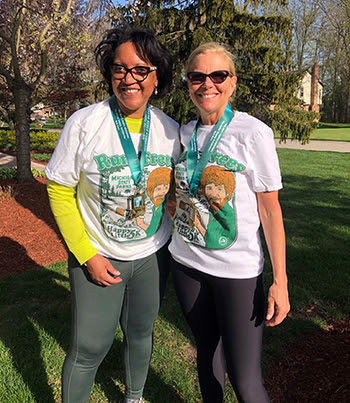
x=64 y=207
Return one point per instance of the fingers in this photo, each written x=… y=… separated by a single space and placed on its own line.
x=278 y=306
x=275 y=318
x=102 y=272
x=270 y=309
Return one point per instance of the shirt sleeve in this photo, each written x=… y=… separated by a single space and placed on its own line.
x=65 y=210
x=64 y=165
x=266 y=174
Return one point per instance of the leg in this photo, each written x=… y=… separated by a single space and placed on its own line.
x=140 y=309
x=240 y=307
x=163 y=258
x=95 y=316
x=196 y=300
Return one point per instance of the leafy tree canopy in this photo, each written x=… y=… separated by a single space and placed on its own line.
x=257 y=33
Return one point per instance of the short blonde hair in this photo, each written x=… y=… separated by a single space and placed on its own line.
x=213 y=47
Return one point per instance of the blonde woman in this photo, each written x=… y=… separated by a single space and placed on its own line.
x=227 y=183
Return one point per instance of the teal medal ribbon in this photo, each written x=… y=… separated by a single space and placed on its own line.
x=195 y=166
x=136 y=165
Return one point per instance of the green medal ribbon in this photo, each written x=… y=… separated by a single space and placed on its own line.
x=195 y=166
x=136 y=165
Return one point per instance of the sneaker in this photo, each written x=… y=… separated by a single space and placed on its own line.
x=128 y=400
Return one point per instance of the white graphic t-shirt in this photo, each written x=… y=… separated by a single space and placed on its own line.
x=89 y=154
x=217 y=230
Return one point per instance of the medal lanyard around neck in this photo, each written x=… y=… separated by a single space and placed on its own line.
x=196 y=167
x=136 y=165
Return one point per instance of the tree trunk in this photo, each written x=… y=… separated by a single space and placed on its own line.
x=22 y=95
x=347 y=108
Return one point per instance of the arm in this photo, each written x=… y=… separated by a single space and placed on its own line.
x=272 y=222
x=65 y=210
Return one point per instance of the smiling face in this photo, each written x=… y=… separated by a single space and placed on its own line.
x=211 y=99
x=132 y=96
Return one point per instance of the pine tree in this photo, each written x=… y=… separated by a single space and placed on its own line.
x=258 y=34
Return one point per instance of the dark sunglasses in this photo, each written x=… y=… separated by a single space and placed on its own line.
x=217 y=77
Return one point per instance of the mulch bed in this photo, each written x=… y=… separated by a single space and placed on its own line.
x=29 y=236
x=316 y=369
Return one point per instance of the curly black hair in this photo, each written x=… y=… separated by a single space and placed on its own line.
x=148 y=48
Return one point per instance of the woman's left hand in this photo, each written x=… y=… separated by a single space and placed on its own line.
x=277 y=304
x=270 y=214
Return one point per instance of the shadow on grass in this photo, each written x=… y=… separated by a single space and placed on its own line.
x=27 y=300
x=35 y=328
x=317 y=221
x=111 y=375
x=315 y=203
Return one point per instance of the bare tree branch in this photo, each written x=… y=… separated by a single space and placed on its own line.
x=44 y=42
x=4 y=36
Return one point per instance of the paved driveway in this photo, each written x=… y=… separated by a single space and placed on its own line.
x=316 y=145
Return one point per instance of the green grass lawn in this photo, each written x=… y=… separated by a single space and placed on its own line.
x=52 y=123
x=35 y=308
x=325 y=131
x=332 y=131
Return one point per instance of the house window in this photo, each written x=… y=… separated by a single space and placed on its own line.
x=301 y=92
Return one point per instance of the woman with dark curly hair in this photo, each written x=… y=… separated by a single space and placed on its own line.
x=98 y=177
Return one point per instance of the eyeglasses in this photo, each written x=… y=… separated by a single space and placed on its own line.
x=217 y=77
x=139 y=73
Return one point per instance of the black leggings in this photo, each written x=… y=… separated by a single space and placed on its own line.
x=224 y=314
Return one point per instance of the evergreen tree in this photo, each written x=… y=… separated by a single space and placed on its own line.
x=258 y=34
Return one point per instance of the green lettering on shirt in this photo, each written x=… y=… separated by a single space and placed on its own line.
x=102 y=162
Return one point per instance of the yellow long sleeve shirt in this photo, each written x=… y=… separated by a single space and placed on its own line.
x=64 y=206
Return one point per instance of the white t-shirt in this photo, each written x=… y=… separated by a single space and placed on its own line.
x=217 y=230
x=89 y=155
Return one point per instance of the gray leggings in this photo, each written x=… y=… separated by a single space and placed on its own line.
x=96 y=311
x=226 y=317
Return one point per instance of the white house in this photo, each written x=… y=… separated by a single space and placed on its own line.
x=310 y=91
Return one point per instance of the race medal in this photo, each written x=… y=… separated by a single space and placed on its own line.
x=192 y=216
x=137 y=202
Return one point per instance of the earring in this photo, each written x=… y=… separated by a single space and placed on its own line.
x=155 y=90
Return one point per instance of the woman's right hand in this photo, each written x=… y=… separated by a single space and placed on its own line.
x=102 y=272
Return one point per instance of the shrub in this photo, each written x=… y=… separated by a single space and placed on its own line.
x=41 y=157
x=36 y=173
x=38 y=130
x=43 y=140
x=39 y=140
x=7 y=139
x=11 y=173
x=8 y=173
